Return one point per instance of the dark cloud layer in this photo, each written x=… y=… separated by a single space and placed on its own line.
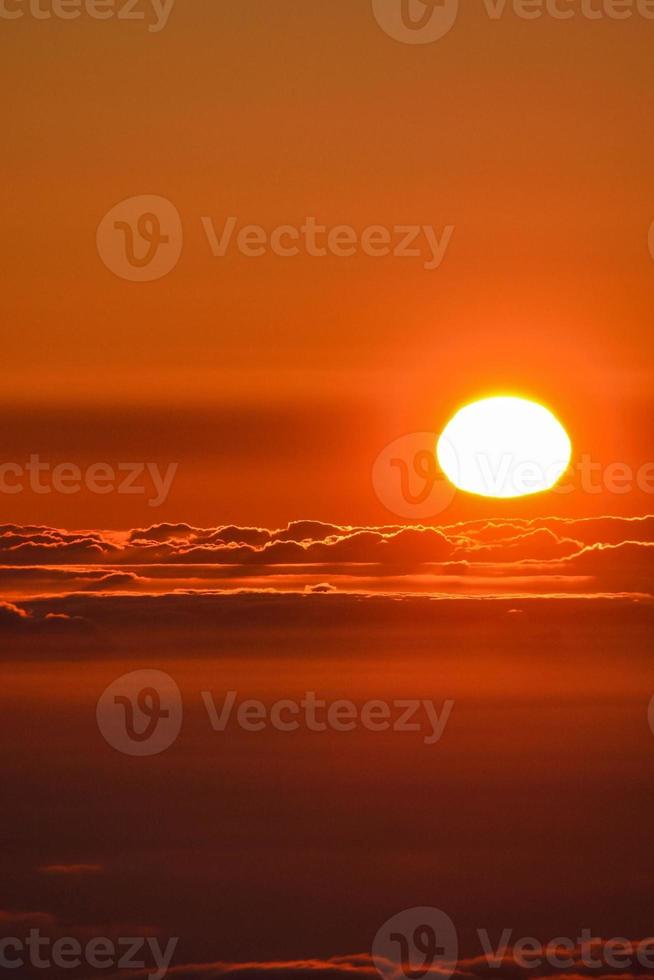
x=363 y=967
x=609 y=554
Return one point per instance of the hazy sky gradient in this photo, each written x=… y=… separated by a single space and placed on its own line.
x=532 y=138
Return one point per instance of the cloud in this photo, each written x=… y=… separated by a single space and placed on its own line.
x=589 y=530
x=37 y=545
x=72 y=870
x=309 y=531
x=627 y=565
x=11 y=615
x=612 y=551
x=362 y=967
x=26 y=920
x=538 y=544
x=192 y=620
x=16 y=619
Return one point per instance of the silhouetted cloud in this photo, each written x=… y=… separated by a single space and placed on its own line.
x=72 y=870
x=608 y=554
x=362 y=967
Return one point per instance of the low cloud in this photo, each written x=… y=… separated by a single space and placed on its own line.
x=362 y=967
x=611 y=554
x=72 y=870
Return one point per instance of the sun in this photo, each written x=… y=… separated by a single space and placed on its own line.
x=504 y=447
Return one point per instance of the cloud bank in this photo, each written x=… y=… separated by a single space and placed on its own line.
x=541 y=556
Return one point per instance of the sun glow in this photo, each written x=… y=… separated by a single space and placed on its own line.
x=504 y=447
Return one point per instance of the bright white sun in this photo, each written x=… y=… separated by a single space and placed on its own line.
x=504 y=447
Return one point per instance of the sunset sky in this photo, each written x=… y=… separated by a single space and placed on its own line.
x=265 y=408
x=274 y=382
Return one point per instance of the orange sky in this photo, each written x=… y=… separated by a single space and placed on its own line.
x=275 y=382
x=277 y=561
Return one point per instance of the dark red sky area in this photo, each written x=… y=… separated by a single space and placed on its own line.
x=532 y=812
x=272 y=847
